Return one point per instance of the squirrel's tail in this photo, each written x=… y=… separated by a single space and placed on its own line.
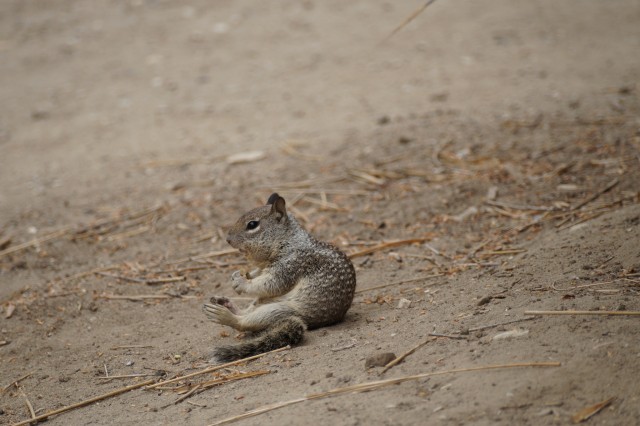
x=287 y=331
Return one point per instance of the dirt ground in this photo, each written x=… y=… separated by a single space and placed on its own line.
x=503 y=136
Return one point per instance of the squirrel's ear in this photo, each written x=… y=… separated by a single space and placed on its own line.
x=272 y=198
x=278 y=206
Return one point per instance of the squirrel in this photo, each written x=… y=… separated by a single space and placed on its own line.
x=299 y=283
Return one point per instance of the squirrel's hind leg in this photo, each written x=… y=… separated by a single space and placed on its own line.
x=257 y=319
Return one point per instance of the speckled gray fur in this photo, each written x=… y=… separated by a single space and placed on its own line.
x=298 y=281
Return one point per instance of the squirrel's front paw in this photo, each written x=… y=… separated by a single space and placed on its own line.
x=224 y=301
x=239 y=283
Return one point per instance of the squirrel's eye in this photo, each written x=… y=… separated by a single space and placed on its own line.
x=253 y=224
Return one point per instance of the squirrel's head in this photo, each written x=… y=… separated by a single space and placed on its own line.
x=260 y=233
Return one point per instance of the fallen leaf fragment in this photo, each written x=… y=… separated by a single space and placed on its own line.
x=516 y=332
x=10 y=308
x=245 y=157
x=588 y=412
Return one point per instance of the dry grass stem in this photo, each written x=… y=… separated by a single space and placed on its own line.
x=130 y=233
x=290 y=148
x=406 y=22
x=342 y=348
x=503 y=252
x=448 y=336
x=519 y=206
x=425 y=277
x=309 y=183
x=505 y=232
x=387 y=245
x=15 y=382
x=105 y=226
x=35 y=242
x=582 y=286
x=90 y=272
x=329 y=191
x=583 y=220
x=595 y=196
x=619 y=313
x=401 y=358
x=32 y=413
x=363 y=387
x=217 y=367
x=588 y=412
x=127 y=376
x=239 y=376
x=323 y=203
x=116 y=348
x=143 y=280
x=203 y=256
x=135 y=298
x=365 y=177
x=486 y=327
x=84 y=403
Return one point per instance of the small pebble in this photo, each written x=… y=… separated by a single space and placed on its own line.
x=379 y=360
x=404 y=303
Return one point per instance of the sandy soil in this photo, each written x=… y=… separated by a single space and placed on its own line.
x=505 y=135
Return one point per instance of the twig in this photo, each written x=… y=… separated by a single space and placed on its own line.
x=216 y=367
x=597 y=194
x=387 y=245
x=143 y=280
x=425 y=277
x=85 y=402
x=401 y=358
x=374 y=386
x=628 y=313
x=410 y=18
x=35 y=241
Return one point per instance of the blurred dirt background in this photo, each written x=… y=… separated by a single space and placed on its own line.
x=486 y=157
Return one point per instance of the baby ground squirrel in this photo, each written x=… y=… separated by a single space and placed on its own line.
x=298 y=281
